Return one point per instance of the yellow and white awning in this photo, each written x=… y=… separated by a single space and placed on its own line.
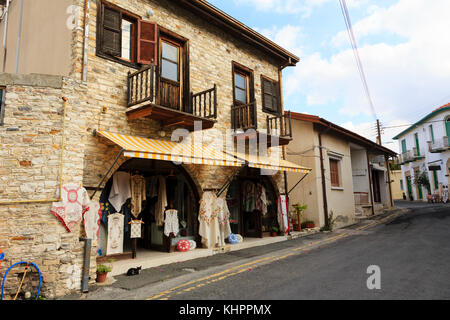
x=136 y=147
x=271 y=163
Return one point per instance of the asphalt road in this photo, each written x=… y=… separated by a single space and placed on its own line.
x=412 y=252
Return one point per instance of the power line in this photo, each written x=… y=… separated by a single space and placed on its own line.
x=409 y=125
x=356 y=54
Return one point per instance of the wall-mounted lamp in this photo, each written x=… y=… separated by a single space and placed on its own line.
x=150 y=13
x=258 y=66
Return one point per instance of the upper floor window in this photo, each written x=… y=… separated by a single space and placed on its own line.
x=431 y=133
x=123 y=37
x=243 y=90
x=2 y=105
x=416 y=138
x=334 y=173
x=270 y=95
x=170 y=61
x=404 y=146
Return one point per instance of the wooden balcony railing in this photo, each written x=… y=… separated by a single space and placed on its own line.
x=144 y=86
x=141 y=86
x=244 y=116
x=204 y=104
x=280 y=126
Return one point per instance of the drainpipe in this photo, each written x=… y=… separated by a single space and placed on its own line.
x=5 y=34
x=86 y=264
x=370 y=181
x=389 y=179
x=324 y=186
x=19 y=33
x=86 y=40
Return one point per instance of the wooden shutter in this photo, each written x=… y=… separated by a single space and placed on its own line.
x=147 y=42
x=270 y=95
x=334 y=173
x=111 y=31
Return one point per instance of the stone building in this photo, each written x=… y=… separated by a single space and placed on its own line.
x=78 y=70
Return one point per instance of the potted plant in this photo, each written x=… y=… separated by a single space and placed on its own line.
x=102 y=271
x=275 y=231
x=308 y=224
x=299 y=209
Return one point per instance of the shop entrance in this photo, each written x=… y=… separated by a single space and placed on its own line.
x=251 y=199
x=166 y=186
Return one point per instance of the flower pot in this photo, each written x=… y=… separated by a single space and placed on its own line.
x=310 y=225
x=297 y=227
x=101 y=277
x=274 y=234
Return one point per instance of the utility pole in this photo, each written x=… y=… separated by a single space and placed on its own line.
x=379 y=133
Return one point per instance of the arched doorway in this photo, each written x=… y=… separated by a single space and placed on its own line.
x=252 y=215
x=180 y=193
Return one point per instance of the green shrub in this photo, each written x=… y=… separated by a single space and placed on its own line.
x=103 y=268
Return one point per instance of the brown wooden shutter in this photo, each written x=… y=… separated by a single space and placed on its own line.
x=334 y=172
x=111 y=38
x=275 y=98
x=270 y=93
x=147 y=42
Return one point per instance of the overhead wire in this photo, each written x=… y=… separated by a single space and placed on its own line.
x=356 y=54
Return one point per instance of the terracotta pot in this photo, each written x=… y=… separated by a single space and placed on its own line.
x=101 y=277
x=297 y=227
x=310 y=225
x=274 y=234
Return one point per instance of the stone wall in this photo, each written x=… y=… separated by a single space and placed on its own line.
x=31 y=142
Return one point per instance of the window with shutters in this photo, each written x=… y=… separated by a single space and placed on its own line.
x=334 y=173
x=270 y=95
x=124 y=37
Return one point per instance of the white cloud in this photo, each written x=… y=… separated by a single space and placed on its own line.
x=303 y=7
x=288 y=37
x=405 y=79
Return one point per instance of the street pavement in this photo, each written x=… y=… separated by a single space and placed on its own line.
x=410 y=249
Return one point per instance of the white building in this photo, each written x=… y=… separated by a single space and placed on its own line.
x=425 y=149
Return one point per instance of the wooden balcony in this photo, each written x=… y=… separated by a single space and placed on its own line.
x=280 y=127
x=439 y=145
x=151 y=97
x=244 y=118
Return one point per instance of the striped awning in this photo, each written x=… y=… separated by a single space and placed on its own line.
x=144 y=148
x=271 y=163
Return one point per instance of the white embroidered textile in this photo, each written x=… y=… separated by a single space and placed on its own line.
x=138 y=194
x=223 y=217
x=120 y=190
x=74 y=203
x=171 y=223
x=115 y=234
x=92 y=220
x=209 y=225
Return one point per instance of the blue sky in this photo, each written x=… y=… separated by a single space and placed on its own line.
x=403 y=49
